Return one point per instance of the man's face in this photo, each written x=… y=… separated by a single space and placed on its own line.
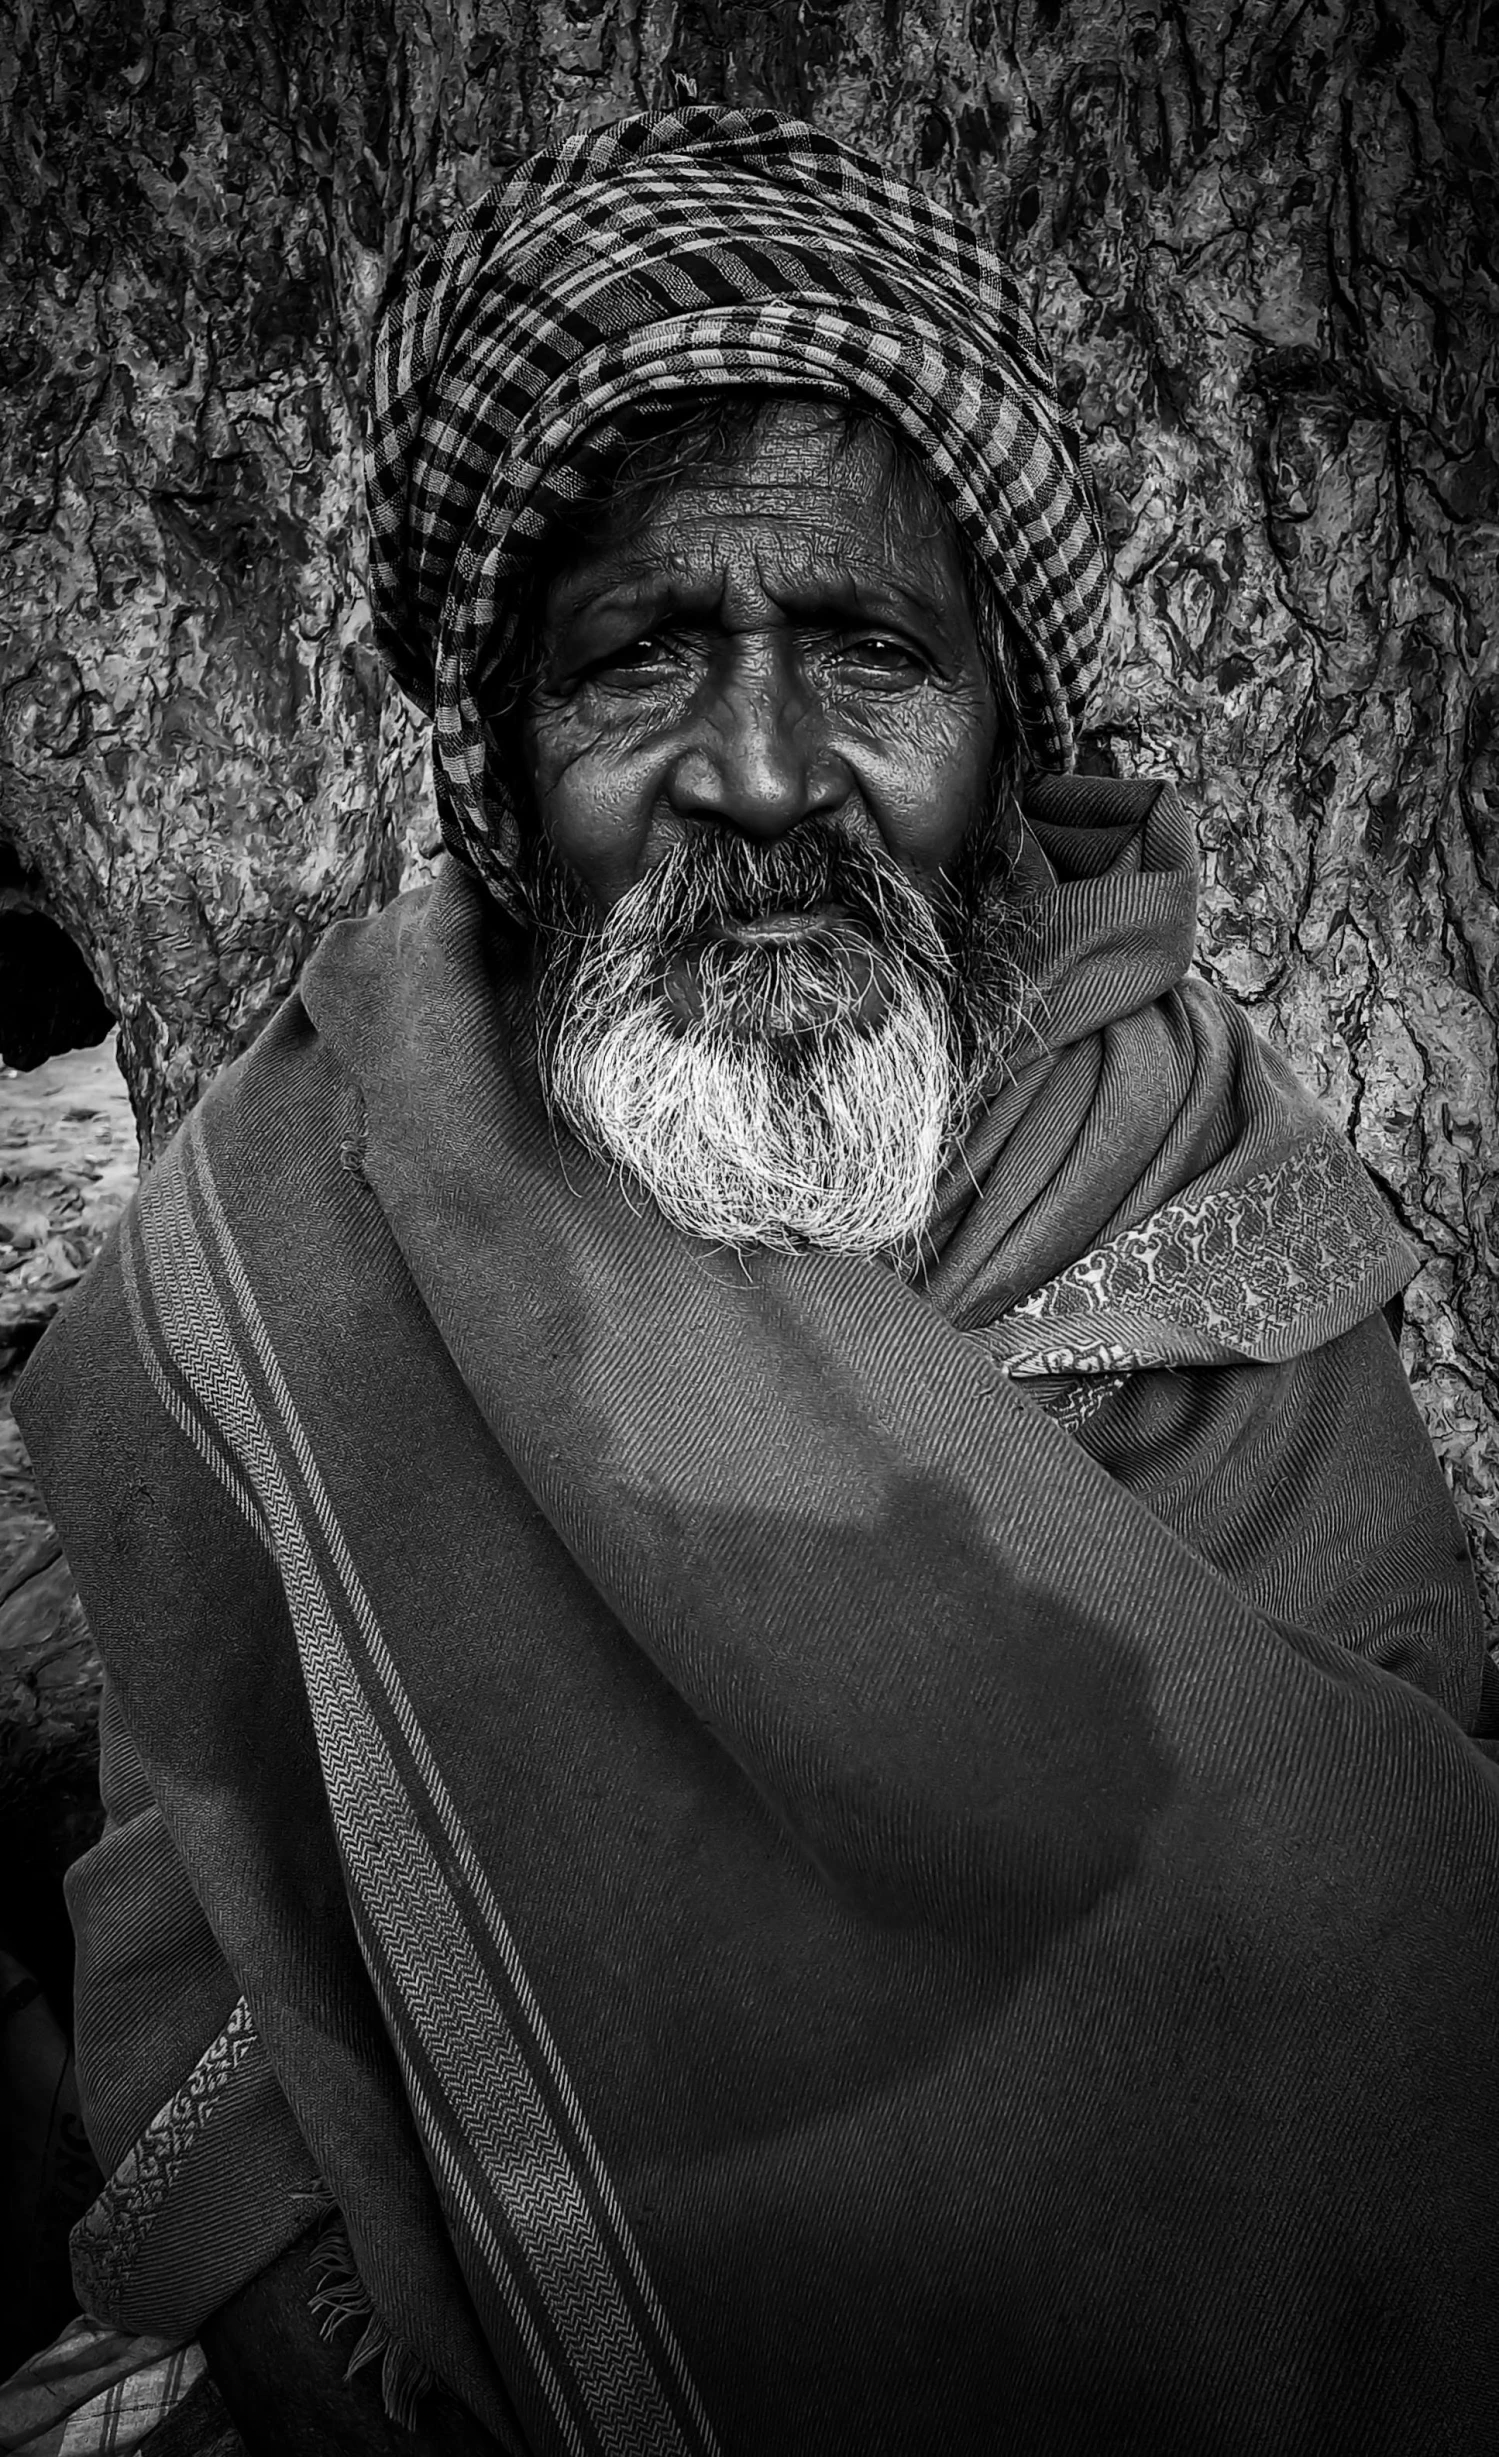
x=784 y=640
x=763 y=732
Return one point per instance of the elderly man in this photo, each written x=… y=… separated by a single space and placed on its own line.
x=793 y=1744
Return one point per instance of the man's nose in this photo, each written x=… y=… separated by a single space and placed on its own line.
x=756 y=757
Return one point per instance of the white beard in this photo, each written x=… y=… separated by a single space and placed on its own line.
x=840 y=1149
x=781 y=1103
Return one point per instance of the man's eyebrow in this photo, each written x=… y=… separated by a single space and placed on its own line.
x=665 y=579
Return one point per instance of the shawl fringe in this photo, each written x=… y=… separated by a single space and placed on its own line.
x=341 y=2297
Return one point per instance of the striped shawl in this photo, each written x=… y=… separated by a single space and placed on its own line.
x=797 y=1905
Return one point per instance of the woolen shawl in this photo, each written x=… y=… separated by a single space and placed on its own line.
x=688 y=251
x=792 y=1911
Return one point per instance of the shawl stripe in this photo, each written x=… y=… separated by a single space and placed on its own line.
x=534 y=2214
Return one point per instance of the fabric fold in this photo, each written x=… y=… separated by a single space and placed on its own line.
x=783 y=1893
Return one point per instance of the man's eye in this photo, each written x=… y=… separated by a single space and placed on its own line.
x=878 y=653
x=636 y=660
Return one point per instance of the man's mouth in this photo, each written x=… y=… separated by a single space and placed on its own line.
x=850 y=984
x=783 y=929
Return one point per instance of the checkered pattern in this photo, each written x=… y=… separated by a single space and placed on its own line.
x=685 y=251
x=99 y=2392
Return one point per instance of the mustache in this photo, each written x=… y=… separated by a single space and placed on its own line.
x=962 y=933
x=712 y=880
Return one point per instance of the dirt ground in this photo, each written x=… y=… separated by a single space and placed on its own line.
x=67 y=1168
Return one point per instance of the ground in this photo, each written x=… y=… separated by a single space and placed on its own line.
x=67 y=1168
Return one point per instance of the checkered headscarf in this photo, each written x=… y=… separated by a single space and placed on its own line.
x=690 y=251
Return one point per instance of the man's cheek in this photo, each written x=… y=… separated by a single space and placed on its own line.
x=594 y=795
x=924 y=775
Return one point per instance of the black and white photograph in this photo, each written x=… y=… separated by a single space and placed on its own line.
x=749 y=1116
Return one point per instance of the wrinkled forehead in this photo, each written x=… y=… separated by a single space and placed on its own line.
x=802 y=492
x=767 y=450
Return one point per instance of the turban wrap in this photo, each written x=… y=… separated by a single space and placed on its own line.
x=685 y=252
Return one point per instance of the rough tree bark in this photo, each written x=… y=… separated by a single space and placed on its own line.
x=1267 y=247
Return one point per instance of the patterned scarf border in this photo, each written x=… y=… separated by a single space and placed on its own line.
x=1260 y=1271
x=111 y=2241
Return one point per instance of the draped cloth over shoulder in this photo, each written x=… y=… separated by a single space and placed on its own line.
x=793 y=1902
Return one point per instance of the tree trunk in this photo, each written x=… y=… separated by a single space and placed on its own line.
x=1265 y=245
